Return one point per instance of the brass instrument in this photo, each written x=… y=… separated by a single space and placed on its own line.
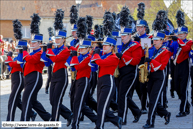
x=116 y=73
x=97 y=42
x=73 y=75
x=68 y=36
x=192 y=47
x=135 y=34
x=143 y=73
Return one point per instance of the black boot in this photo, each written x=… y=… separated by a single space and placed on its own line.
x=119 y=123
x=167 y=118
x=147 y=126
x=172 y=94
x=137 y=117
x=69 y=120
x=188 y=110
x=181 y=114
x=143 y=111
x=33 y=117
x=46 y=91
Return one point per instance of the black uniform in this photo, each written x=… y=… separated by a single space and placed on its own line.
x=49 y=77
x=172 y=67
x=106 y=89
x=59 y=83
x=32 y=85
x=155 y=87
x=17 y=86
x=81 y=91
x=156 y=83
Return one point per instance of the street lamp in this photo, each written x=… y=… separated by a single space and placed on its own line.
x=78 y=2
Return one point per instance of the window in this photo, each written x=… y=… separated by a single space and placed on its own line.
x=26 y=32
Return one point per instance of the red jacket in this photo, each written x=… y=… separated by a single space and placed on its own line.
x=107 y=65
x=185 y=49
x=82 y=68
x=131 y=55
x=33 y=62
x=13 y=64
x=77 y=46
x=160 y=61
x=60 y=59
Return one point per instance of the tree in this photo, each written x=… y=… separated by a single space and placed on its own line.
x=172 y=11
x=155 y=6
x=150 y=13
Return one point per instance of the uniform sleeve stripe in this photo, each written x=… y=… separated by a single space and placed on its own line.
x=155 y=69
x=128 y=62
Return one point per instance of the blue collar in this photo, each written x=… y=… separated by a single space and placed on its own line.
x=82 y=57
x=143 y=36
x=84 y=54
x=57 y=50
x=184 y=40
x=157 y=51
x=124 y=46
x=35 y=51
x=60 y=47
x=106 y=55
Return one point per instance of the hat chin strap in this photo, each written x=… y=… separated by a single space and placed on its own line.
x=125 y=39
x=83 y=51
x=106 y=50
x=157 y=44
x=58 y=44
x=34 y=47
x=183 y=37
x=138 y=33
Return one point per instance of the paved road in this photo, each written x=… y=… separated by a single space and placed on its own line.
x=176 y=123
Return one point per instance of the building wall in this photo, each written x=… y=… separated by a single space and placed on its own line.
x=6 y=28
x=49 y=22
x=22 y=10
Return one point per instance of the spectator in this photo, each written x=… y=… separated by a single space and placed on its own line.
x=3 y=50
x=13 y=44
x=9 y=47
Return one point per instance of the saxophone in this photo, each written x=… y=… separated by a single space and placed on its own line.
x=116 y=73
x=143 y=72
x=73 y=75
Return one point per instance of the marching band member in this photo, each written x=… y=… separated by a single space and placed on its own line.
x=130 y=57
x=141 y=26
x=51 y=40
x=17 y=83
x=90 y=101
x=181 y=48
x=59 y=80
x=172 y=67
x=191 y=73
x=158 y=61
x=106 y=84
x=98 y=34
x=156 y=81
x=33 y=74
x=82 y=86
x=74 y=43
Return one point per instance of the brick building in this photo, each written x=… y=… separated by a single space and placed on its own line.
x=22 y=10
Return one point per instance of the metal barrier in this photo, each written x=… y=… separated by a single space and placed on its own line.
x=4 y=72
